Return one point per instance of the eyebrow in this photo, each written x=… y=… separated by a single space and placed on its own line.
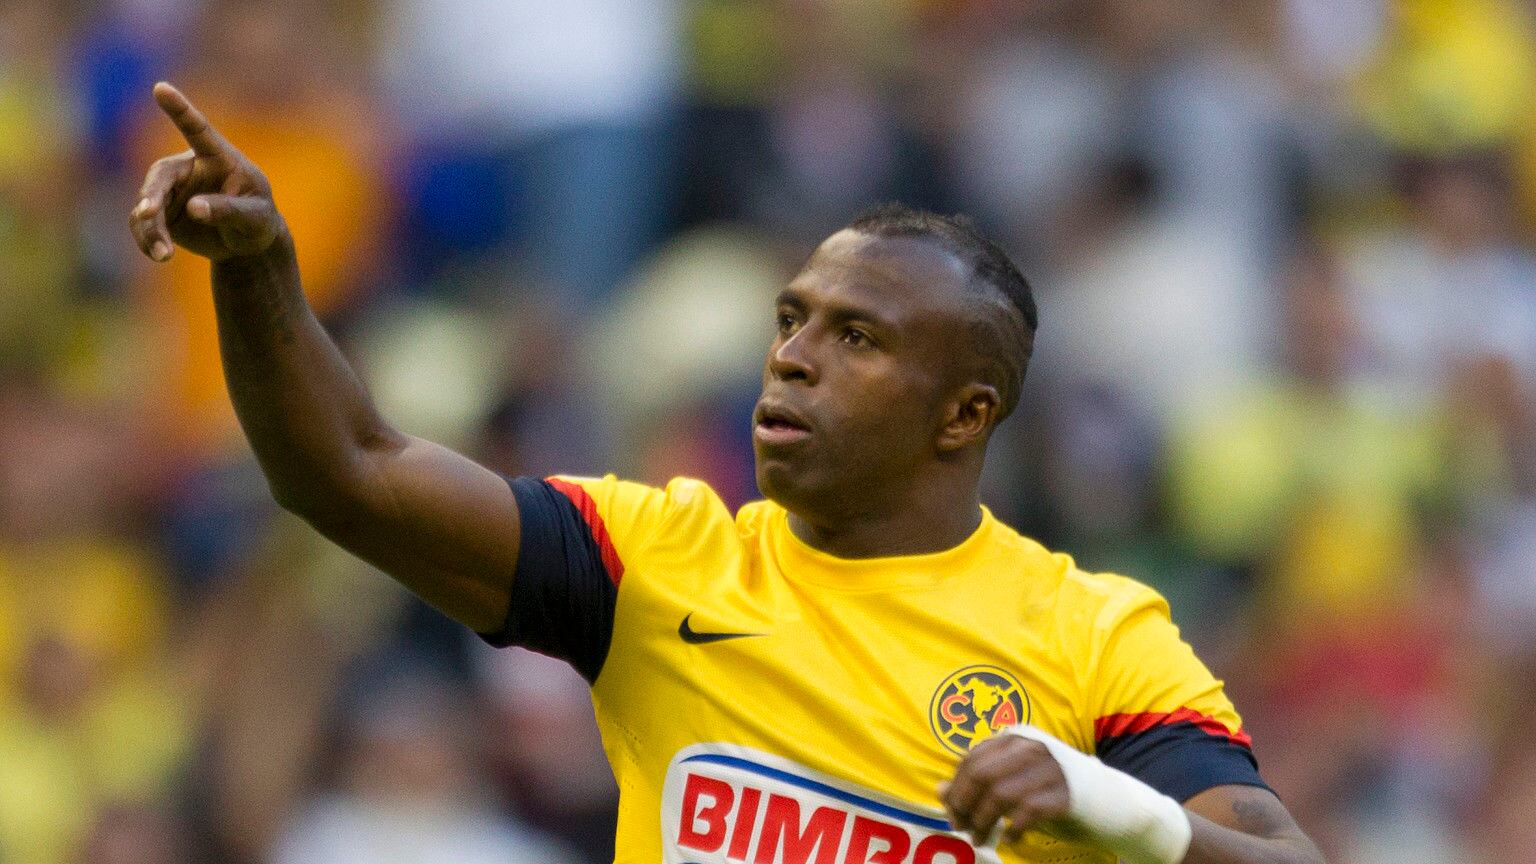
x=838 y=312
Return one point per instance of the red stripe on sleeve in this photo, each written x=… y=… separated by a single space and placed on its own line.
x=588 y=510
x=1116 y=725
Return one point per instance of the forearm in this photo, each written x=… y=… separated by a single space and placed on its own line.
x=1029 y=778
x=307 y=416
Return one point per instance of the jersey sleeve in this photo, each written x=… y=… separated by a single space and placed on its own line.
x=576 y=535
x=1159 y=714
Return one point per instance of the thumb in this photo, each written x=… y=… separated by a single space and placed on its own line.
x=229 y=211
x=246 y=223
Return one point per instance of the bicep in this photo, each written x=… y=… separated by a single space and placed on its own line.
x=444 y=526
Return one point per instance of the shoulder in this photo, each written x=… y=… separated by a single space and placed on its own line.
x=1090 y=605
x=1100 y=598
x=1114 y=598
x=642 y=507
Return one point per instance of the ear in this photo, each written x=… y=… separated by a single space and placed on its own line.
x=969 y=417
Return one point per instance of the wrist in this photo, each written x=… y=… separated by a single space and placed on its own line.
x=1138 y=823
x=279 y=252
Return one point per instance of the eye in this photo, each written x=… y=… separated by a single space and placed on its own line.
x=856 y=337
x=786 y=322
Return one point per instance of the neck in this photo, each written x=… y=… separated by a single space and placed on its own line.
x=913 y=529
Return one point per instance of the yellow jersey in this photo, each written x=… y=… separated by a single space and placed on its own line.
x=763 y=702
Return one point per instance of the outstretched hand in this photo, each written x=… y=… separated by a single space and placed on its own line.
x=210 y=199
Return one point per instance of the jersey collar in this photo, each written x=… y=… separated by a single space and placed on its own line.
x=801 y=562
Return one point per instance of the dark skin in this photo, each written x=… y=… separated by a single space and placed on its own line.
x=865 y=360
x=871 y=431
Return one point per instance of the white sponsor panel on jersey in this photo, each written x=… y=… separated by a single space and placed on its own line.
x=727 y=804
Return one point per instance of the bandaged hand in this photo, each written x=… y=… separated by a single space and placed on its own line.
x=1026 y=778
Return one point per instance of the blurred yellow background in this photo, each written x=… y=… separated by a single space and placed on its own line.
x=1286 y=373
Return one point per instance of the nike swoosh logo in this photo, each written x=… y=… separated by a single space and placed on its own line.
x=694 y=637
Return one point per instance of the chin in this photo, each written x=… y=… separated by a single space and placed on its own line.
x=807 y=494
x=780 y=483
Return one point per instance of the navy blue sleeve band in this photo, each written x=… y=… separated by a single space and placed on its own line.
x=562 y=600
x=1181 y=760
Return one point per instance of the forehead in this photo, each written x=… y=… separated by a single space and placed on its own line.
x=902 y=281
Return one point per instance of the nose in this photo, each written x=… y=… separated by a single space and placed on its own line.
x=790 y=359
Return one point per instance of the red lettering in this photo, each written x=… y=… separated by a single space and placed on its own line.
x=1005 y=716
x=746 y=820
x=896 y=841
x=781 y=820
x=712 y=834
x=946 y=707
x=957 y=851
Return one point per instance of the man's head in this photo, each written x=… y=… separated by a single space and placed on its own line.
x=901 y=344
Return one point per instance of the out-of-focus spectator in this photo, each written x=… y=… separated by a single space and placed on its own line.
x=91 y=711
x=38 y=171
x=1451 y=75
x=141 y=834
x=410 y=789
x=1167 y=310
x=1332 y=493
x=1453 y=285
x=1310 y=470
x=541 y=129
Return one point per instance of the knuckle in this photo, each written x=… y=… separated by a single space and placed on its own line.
x=1032 y=752
x=1030 y=745
x=991 y=766
x=1011 y=788
x=1054 y=801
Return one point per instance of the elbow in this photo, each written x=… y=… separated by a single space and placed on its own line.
x=324 y=504
x=340 y=495
x=290 y=496
x=335 y=516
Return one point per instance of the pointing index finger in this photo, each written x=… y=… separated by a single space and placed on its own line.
x=194 y=127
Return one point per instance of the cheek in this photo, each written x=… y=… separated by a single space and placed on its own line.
x=888 y=420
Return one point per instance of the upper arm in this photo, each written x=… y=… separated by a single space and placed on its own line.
x=1159 y=714
x=444 y=526
x=521 y=561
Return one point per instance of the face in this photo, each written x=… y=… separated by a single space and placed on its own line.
x=862 y=374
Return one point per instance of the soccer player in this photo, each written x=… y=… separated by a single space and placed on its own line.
x=866 y=668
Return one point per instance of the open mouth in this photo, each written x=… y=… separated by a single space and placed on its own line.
x=776 y=426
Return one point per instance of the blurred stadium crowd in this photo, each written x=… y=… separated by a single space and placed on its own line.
x=1283 y=252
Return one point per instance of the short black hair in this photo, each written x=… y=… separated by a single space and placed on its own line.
x=1004 y=330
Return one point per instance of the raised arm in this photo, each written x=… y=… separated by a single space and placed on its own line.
x=442 y=525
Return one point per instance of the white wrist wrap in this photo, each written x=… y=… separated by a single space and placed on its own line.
x=1140 y=824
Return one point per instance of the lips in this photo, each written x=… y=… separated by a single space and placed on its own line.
x=777 y=424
